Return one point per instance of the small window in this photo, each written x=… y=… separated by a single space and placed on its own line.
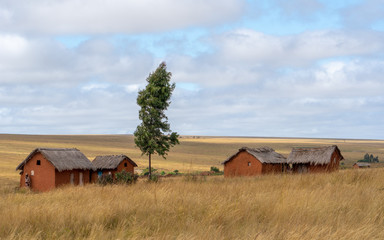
x=249 y=164
x=38 y=162
x=125 y=164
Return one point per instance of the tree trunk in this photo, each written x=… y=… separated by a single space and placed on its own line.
x=150 y=168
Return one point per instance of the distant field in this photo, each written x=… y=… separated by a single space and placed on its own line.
x=342 y=205
x=193 y=154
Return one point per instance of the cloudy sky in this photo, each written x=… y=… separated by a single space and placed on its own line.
x=276 y=68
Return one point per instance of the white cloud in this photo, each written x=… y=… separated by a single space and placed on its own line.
x=95 y=86
x=115 y=16
x=259 y=49
x=12 y=45
x=239 y=81
x=132 y=88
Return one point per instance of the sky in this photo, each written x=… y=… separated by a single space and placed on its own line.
x=268 y=68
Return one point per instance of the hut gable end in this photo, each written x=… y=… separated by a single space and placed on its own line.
x=314 y=156
x=264 y=155
x=61 y=158
x=110 y=161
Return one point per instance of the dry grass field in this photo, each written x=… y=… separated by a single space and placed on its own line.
x=348 y=204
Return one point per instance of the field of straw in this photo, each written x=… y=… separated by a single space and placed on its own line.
x=348 y=204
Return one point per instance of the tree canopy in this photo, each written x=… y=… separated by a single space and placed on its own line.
x=153 y=135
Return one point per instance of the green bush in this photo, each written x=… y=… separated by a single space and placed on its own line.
x=105 y=179
x=126 y=177
x=363 y=160
x=146 y=171
x=154 y=178
x=215 y=169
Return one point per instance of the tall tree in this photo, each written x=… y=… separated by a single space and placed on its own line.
x=154 y=135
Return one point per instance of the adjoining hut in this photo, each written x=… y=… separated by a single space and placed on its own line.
x=48 y=168
x=318 y=159
x=111 y=164
x=361 y=165
x=254 y=161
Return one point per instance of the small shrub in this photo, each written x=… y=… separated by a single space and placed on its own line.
x=216 y=171
x=146 y=171
x=162 y=173
x=176 y=171
x=126 y=177
x=154 y=178
x=105 y=179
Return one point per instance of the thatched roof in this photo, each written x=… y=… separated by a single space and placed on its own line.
x=110 y=161
x=264 y=155
x=61 y=158
x=362 y=164
x=315 y=156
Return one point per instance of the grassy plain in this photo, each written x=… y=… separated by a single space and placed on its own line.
x=348 y=204
x=344 y=205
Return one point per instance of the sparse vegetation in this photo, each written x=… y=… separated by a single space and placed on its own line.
x=105 y=179
x=124 y=177
x=146 y=171
x=215 y=169
x=344 y=205
x=369 y=158
x=320 y=206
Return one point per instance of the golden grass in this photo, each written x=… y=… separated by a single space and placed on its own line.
x=193 y=154
x=344 y=205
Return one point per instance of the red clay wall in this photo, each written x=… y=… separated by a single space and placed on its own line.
x=128 y=168
x=272 y=168
x=43 y=178
x=238 y=166
x=120 y=167
x=330 y=167
x=64 y=177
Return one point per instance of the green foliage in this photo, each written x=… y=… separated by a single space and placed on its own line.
x=176 y=172
x=153 y=135
x=363 y=160
x=153 y=178
x=105 y=179
x=146 y=171
x=126 y=177
x=216 y=171
x=369 y=158
x=162 y=173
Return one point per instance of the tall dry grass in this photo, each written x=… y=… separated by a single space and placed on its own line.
x=344 y=205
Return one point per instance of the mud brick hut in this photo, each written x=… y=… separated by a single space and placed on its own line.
x=361 y=165
x=111 y=164
x=318 y=159
x=254 y=161
x=52 y=167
